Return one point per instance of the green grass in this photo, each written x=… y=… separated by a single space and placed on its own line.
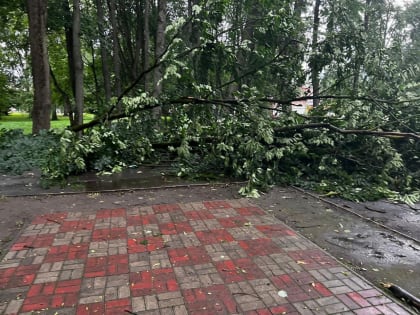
x=22 y=121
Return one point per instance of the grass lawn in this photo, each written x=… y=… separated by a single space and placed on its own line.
x=22 y=121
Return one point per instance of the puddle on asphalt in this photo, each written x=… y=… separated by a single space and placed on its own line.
x=132 y=178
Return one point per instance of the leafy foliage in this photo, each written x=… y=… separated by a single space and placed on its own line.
x=103 y=150
x=20 y=153
x=241 y=54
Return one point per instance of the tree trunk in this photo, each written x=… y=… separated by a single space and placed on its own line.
x=68 y=32
x=92 y=65
x=64 y=95
x=37 y=14
x=298 y=8
x=115 y=50
x=104 y=54
x=159 y=50
x=360 y=55
x=315 y=67
x=159 y=46
x=139 y=40
x=78 y=65
x=194 y=29
x=54 y=113
x=146 y=43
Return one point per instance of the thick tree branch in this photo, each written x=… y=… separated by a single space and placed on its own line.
x=230 y=104
x=179 y=101
x=338 y=97
x=386 y=134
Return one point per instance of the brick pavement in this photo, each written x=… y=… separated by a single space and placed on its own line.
x=218 y=257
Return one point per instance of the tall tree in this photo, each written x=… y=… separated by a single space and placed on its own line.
x=68 y=31
x=315 y=64
x=146 y=43
x=115 y=49
x=104 y=54
x=37 y=13
x=360 y=55
x=159 y=45
x=78 y=65
x=159 y=50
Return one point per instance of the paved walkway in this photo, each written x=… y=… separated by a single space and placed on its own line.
x=219 y=257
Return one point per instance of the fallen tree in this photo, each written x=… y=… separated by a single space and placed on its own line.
x=235 y=105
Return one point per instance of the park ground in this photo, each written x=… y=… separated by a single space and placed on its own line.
x=362 y=236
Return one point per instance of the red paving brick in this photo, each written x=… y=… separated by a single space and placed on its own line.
x=215 y=257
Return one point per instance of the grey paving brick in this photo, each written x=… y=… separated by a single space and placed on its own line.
x=13 y=307
x=197 y=276
x=178 y=216
x=91 y=299
x=193 y=206
x=180 y=310
x=224 y=213
x=159 y=259
x=336 y=308
x=45 y=277
x=139 y=262
x=327 y=301
x=341 y=290
x=151 y=302
x=249 y=302
x=225 y=251
x=181 y=240
x=12 y=263
x=245 y=233
x=163 y=217
x=93 y=287
x=111 y=293
x=303 y=309
x=351 y=284
x=170 y=299
x=328 y=275
x=124 y=292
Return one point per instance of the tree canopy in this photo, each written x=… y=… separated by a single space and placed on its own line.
x=210 y=85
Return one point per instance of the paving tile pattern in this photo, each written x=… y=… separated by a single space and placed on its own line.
x=218 y=257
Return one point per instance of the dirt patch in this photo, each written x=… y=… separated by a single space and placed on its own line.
x=372 y=250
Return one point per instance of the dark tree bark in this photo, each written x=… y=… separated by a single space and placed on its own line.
x=360 y=55
x=146 y=43
x=139 y=40
x=104 y=55
x=92 y=65
x=64 y=95
x=160 y=45
x=298 y=8
x=115 y=50
x=68 y=32
x=315 y=67
x=193 y=27
x=54 y=113
x=159 y=50
x=37 y=13
x=78 y=65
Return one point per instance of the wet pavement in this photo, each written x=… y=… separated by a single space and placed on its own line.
x=146 y=177
x=216 y=257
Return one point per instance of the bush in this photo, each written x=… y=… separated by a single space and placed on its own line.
x=20 y=152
